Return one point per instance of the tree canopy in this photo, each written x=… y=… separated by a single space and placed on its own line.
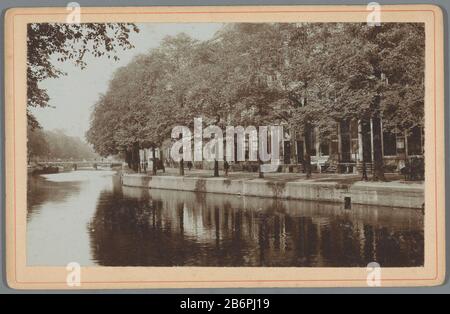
x=303 y=75
x=68 y=42
x=53 y=145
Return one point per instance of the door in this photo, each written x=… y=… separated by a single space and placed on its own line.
x=287 y=152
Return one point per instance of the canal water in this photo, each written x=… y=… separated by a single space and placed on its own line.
x=89 y=218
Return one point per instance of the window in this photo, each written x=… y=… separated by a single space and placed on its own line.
x=415 y=141
x=401 y=144
x=324 y=149
x=389 y=144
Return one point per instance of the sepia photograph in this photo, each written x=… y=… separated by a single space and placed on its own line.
x=228 y=144
x=105 y=172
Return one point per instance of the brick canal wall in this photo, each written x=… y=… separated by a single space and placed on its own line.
x=364 y=193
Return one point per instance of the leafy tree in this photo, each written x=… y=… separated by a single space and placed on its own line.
x=303 y=76
x=303 y=82
x=52 y=145
x=248 y=55
x=144 y=100
x=377 y=72
x=67 y=42
x=37 y=144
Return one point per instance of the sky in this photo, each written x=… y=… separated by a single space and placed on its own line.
x=73 y=96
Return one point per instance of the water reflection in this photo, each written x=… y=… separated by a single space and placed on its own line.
x=161 y=228
x=59 y=208
x=137 y=227
x=41 y=191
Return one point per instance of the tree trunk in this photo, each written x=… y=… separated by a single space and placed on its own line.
x=216 y=168
x=182 y=159
x=294 y=158
x=260 y=163
x=361 y=135
x=129 y=158
x=154 y=165
x=260 y=172
x=378 y=164
x=307 y=158
x=135 y=158
x=307 y=133
x=364 y=171
x=181 y=167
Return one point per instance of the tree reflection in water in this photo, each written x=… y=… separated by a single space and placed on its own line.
x=138 y=227
x=41 y=191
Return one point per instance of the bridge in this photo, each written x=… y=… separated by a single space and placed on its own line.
x=57 y=166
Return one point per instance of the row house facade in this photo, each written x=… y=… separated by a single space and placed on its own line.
x=352 y=145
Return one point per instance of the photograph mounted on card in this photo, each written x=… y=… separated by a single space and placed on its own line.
x=238 y=146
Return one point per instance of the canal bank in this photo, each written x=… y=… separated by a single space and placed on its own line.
x=390 y=194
